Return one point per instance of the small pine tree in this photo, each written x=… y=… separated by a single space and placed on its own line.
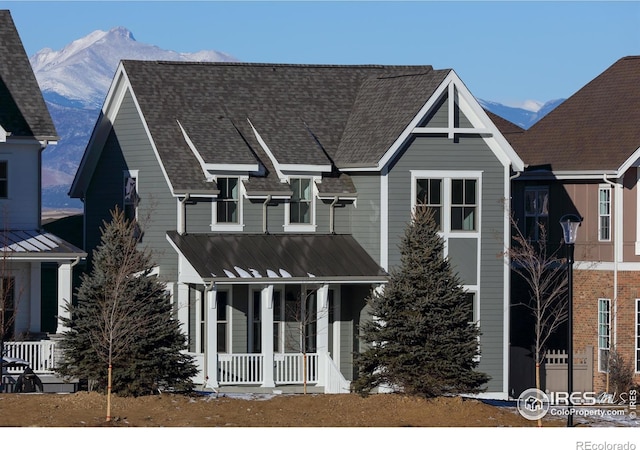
x=422 y=341
x=123 y=318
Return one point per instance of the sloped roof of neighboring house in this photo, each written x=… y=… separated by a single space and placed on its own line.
x=23 y=112
x=293 y=256
x=36 y=244
x=596 y=129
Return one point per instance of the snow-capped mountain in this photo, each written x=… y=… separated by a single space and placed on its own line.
x=75 y=81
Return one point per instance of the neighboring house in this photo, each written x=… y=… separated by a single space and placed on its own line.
x=270 y=190
x=583 y=159
x=28 y=253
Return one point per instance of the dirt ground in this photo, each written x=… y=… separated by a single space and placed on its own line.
x=88 y=409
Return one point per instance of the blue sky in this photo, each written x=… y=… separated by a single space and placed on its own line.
x=504 y=51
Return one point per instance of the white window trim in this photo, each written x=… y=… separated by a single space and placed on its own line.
x=131 y=174
x=252 y=319
x=281 y=331
x=302 y=227
x=600 y=189
x=215 y=226
x=474 y=289
x=609 y=330
x=446 y=177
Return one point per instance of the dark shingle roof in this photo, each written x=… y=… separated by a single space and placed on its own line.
x=23 y=112
x=300 y=111
x=251 y=256
x=595 y=129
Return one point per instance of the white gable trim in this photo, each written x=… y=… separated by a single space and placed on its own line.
x=196 y=153
x=482 y=125
x=633 y=160
x=267 y=150
x=115 y=96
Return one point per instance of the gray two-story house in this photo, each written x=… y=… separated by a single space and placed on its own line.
x=275 y=197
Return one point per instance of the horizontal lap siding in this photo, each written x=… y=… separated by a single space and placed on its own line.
x=365 y=222
x=469 y=153
x=128 y=148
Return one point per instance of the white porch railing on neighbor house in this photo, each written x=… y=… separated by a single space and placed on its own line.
x=41 y=355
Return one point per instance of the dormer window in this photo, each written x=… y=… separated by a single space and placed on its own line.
x=228 y=198
x=301 y=203
x=4 y=179
x=227 y=207
x=300 y=211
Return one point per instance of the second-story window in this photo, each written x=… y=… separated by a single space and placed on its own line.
x=130 y=194
x=228 y=200
x=300 y=206
x=536 y=211
x=604 y=333
x=604 y=213
x=463 y=204
x=429 y=196
x=4 y=179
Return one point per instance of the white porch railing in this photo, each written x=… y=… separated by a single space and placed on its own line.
x=41 y=355
x=247 y=368
x=335 y=382
x=240 y=368
x=289 y=368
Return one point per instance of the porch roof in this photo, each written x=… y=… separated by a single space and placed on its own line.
x=37 y=244
x=249 y=258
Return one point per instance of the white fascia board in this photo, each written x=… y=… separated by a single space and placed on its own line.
x=633 y=160
x=119 y=86
x=295 y=169
x=266 y=149
x=470 y=106
x=186 y=272
x=195 y=152
x=228 y=168
x=473 y=110
x=568 y=175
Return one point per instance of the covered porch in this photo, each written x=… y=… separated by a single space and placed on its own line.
x=280 y=311
x=36 y=283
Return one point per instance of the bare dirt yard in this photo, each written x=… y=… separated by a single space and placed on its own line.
x=88 y=409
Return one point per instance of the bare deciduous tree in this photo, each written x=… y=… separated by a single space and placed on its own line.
x=544 y=274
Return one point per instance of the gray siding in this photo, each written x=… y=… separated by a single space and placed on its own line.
x=128 y=148
x=239 y=319
x=365 y=222
x=468 y=153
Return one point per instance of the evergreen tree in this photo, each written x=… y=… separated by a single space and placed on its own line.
x=422 y=339
x=123 y=318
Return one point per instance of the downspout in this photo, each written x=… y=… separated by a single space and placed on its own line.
x=618 y=235
x=264 y=214
x=332 y=215
x=182 y=222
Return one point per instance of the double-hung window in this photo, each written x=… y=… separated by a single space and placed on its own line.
x=536 y=211
x=300 y=211
x=227 y=204
x=454 y=198
x=604 y=333
x=604 y=213
x=4 y=179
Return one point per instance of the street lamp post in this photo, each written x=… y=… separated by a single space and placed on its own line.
x=570 y=224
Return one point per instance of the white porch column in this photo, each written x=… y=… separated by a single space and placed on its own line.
x=65 y=287
x=35 y=295
x=182 y=307
x=266 y=318
x=322 y=338
x=211 y=348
